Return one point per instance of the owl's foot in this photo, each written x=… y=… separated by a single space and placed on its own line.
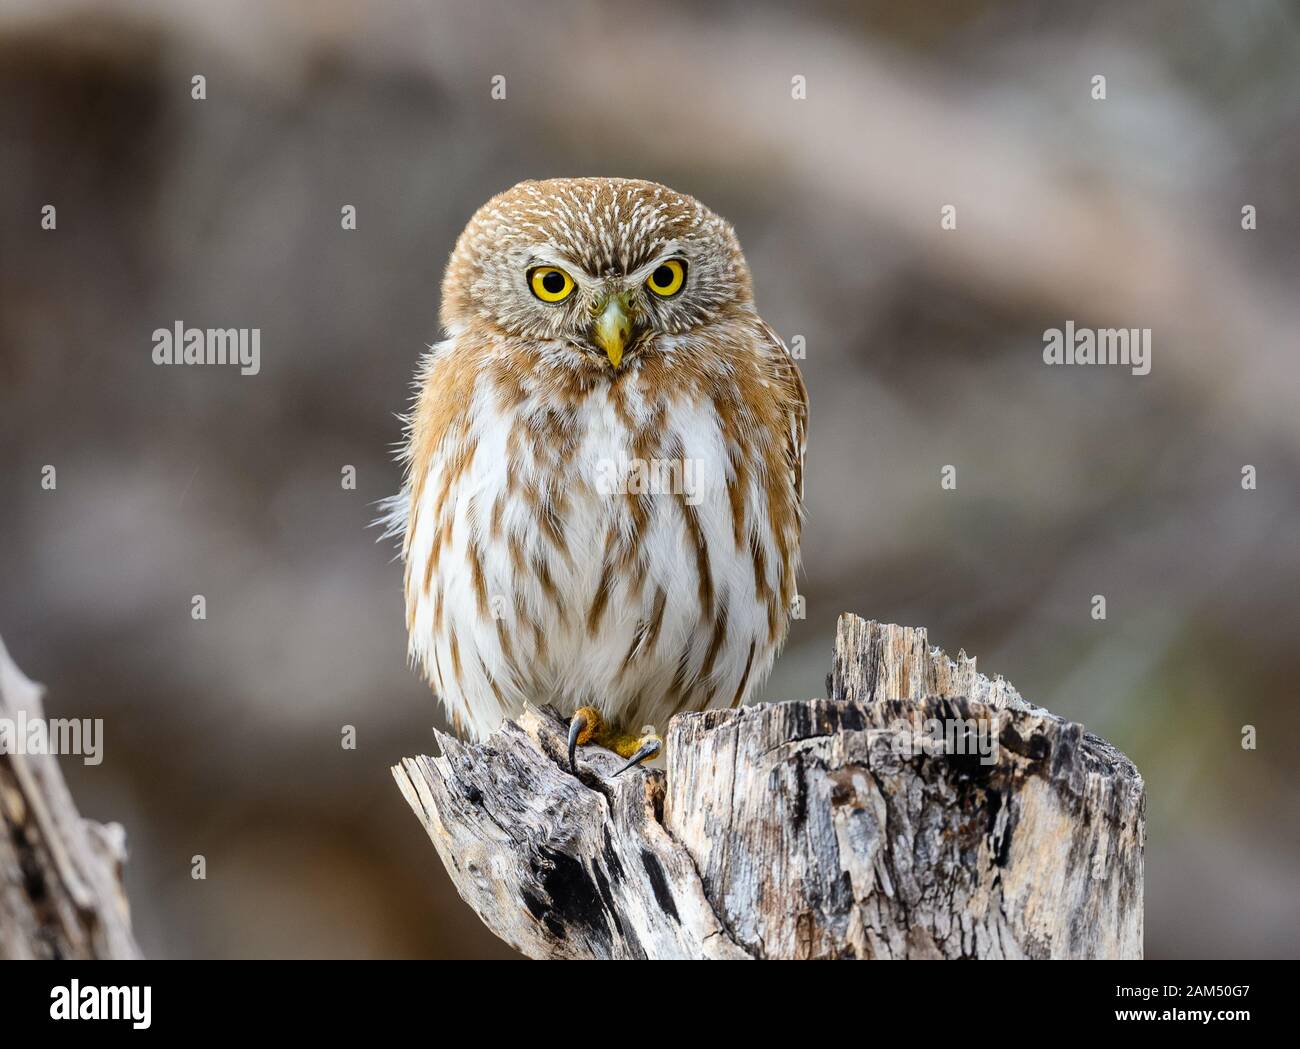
x=587 y=726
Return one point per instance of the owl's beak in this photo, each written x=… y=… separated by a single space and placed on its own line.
x=613 y=326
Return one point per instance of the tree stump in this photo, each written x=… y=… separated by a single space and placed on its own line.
x=922 y=811
x=61 y=892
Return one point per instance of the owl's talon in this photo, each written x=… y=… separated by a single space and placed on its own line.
x=582 y=727
x=576 y=725
x=650 y=746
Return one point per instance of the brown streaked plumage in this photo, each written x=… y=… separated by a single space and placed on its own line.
x=604 y=465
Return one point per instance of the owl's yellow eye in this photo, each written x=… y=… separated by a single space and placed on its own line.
x=550 y=284
x=666 y=280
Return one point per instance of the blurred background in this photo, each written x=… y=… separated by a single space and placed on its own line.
x=924 y=348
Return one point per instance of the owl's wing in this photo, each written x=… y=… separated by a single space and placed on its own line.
x=795 y=401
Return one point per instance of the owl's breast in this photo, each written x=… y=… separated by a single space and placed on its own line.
x=599 y=553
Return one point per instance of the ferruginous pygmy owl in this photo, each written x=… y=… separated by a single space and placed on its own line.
x=604 y=467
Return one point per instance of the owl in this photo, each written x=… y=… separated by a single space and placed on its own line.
x=603 y=484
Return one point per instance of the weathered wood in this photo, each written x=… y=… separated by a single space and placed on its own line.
x=61 y=892
x=811 y=829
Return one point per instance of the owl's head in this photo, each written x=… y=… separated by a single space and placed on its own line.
x=599 y=267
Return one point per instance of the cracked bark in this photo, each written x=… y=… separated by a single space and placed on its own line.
x=811 y=829
x=61 y=892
